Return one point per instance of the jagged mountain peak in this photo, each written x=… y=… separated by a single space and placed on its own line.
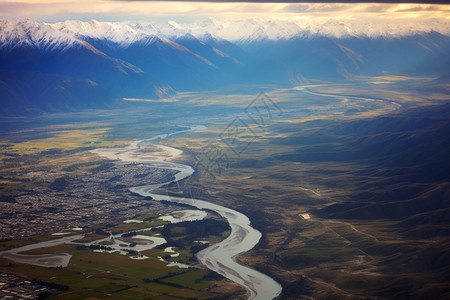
x=29 y=32
x=118 y=32
x=131 y=59
x=26 y=32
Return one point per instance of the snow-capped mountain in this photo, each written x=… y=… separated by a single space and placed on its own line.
x=257 y=29
x=20 y=33
x=118 y=32
x=139 y=60
x=244 y=31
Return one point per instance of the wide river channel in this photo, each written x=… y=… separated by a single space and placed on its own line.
x=220 y=257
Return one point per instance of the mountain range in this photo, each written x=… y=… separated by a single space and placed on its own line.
x=74 y=65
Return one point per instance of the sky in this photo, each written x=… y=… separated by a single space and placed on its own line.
x=120 y=10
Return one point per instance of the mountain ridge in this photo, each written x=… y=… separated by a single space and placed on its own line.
x=137 y=60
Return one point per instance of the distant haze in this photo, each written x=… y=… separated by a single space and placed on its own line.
x=73 y=64
x=382 y=16
x=252 y=28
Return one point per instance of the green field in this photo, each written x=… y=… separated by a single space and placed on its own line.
x=377 y=224
x=103 y=275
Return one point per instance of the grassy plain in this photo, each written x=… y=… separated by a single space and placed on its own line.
x=321 y=154
x=104 y=275
x=326 y=156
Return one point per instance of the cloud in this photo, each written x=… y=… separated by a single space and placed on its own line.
x=414 y=8
x=316 y=13
x=308 y=1
x=14 y=8
x=314 y=8
x=374 y=8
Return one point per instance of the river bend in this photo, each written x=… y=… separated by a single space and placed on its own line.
x=220 y=257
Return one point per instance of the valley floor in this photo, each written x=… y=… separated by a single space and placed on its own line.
x=347 y=182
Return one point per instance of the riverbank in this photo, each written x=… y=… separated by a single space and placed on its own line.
x=220 y=257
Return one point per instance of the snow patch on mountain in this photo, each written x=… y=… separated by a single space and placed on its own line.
x=62 y=35
x=362 y=29
x=247 y=31
x=257 y=29
x=118 y=32
x=172 y=30
x=19 y=33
